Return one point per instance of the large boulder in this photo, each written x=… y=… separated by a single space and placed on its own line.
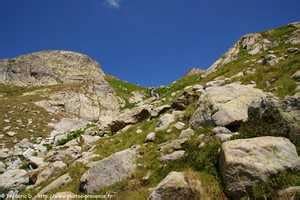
x=129 y=116
x=225 y=105
x=178 y=186
x=108 y=171
x=274 y=118
x=13 y=180
x=56 y=184
x=49 y=171
x=245 y=163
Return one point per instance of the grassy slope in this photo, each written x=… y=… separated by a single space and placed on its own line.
x=124 y=89
x=19 y=110
x=26 y=118
x=203 y=162
x=275 y=78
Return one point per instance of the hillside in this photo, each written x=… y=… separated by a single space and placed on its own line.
x=230 y=132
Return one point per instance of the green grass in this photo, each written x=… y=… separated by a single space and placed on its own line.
x=179 y=85
x=275 y=183
x=201 y=162
x=25 y=118
x=124 y=89
x=276 y=79
x=280 y=33
x=285 y=86
x=70 y=136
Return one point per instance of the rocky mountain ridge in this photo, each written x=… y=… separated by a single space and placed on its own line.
x=232 y=132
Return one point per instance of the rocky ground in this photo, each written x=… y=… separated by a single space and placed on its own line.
x=231 y=132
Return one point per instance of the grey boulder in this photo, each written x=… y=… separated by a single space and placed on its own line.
x=247 y=162
x=108 y=171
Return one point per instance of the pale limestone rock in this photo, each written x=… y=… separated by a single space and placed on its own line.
x=14 y=179
x=187 y=133
x=49 y=171
x=108 y=171
x=150 y=137
x=176 y=155
x=177 y=186
x=57 y=183
x=246 y=162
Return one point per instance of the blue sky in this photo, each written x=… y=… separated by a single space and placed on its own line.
x=149 y=42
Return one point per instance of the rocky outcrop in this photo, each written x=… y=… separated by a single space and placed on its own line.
x=253 y=43
x=276 y=118
x=225 y=105
x=49 y=68
x=195 y=71
x=108 y=171
x=128 y=117
x=177 y=186
x=13 y=180
x=49 y=171
x=59 y=182
x=247 y=162
x=90 y=96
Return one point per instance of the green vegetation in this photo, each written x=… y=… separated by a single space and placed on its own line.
x=179 y=85
x=285 y=86
x=201 y=163
x=20 y=114
x=70 y=136
x=124 y=89
x=275 y=183
x=279 y=34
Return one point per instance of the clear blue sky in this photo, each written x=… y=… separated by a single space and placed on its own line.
x=150 y=42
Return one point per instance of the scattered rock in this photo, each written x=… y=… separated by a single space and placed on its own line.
x=139 y=131
x=221 y=130
x=291 y=193
x=165 y=121
x=150 y=137
x=13 y=179
x=136 y=97
x=173 y=145
x=177 y=186
x=11 y=133
x=225 y=137
x=176 y=155
x=129 y=116
x=246 y=162
x=179 y=125
x=59 y=182
x=50 y=171
x=270 y=59
x=108 y=171
x=36 y=162
x=296 y=75
x=187 y=133
x=4 y=153
x=88 y=139
x=293 y=50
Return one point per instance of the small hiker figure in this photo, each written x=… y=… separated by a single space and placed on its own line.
x=153 y=93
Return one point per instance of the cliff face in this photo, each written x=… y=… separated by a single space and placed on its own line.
x=49 y=68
